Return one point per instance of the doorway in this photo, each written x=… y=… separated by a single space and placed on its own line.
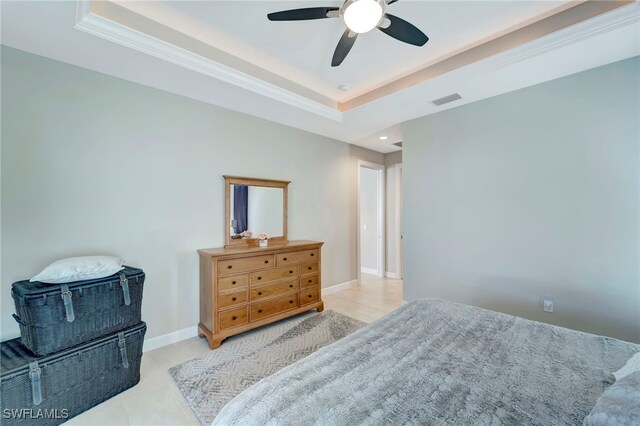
x=371 y=227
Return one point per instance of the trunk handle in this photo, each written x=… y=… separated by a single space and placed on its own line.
x=34 y=375
x=68 y=303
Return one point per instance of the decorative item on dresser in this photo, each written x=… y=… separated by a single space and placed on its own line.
x=243 y=285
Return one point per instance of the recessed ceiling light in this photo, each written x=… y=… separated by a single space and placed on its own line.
x=384 y=138
x=344 y=87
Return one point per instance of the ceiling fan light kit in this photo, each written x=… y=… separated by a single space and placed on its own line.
x=360 y=16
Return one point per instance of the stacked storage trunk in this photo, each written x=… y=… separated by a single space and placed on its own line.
x=81 y=344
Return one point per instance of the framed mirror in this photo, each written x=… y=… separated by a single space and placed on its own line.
x=255 y=206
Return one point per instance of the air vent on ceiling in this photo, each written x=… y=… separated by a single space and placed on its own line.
x=398 y=144
x=446 y=99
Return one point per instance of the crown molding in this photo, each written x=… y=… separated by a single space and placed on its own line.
x=610 y=21
x=97 y=25
x=104 y=28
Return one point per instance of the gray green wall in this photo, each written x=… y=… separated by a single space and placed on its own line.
x=530 y=194
x=392 y=161
x=96 y=165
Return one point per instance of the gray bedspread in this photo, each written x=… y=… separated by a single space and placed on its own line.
x=436 y=362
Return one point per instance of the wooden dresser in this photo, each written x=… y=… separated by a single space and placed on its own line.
x=247 y=287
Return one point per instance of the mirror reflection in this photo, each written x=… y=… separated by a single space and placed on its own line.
x=256 y=209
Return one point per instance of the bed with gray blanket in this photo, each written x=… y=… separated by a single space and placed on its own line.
x=437 y=362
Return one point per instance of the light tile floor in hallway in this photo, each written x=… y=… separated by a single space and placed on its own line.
x=374 y=298
x=156 y=399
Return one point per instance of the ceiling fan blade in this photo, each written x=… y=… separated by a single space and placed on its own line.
x=344 y=46
x=404 y=31
x=303 y=14
x=391 y=2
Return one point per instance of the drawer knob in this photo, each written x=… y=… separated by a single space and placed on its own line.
x=259 y=293
x=312 y=254
x=233 y=282
x=290 y=301
x=291 y=272
x=233 y=318
x=291 y=285
x=266 y=261
x=284 y=258
x=310 y=296
x=229 y=266
x=309 y=281
x=310 y=268
x=233 y=299
x=259 y=278
x=259 y=311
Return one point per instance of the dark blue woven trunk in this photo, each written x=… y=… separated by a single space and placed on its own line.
x=91 y=309
x=67 y=383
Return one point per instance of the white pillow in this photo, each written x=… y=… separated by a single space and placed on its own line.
x=79 y=268
x=619 y=405
x=631 y=366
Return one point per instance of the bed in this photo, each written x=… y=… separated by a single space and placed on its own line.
x=438 y=362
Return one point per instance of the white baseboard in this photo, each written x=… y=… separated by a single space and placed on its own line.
x=393 y=275
x=168 y=339
x=404 y=302
x=339 y=287
x=369 y=271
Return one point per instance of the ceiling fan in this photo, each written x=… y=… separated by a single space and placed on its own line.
x=360 y=16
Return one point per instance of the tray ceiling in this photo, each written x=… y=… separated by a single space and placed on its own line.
x=306 y=47
x=227 y=53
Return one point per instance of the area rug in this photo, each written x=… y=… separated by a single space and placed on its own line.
x=209 y=382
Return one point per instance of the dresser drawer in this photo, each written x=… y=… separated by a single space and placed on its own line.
x=230 y=299
x=274 y=306
x=267 y=291
x=233 y=266
x=309 y=295
x=309 y=268
x=233 y=282
x=309 y=281
x=233 y=318
x=273 y=274
x=297 y=257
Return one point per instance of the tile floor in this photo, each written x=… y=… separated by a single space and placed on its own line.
x=157 y=401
